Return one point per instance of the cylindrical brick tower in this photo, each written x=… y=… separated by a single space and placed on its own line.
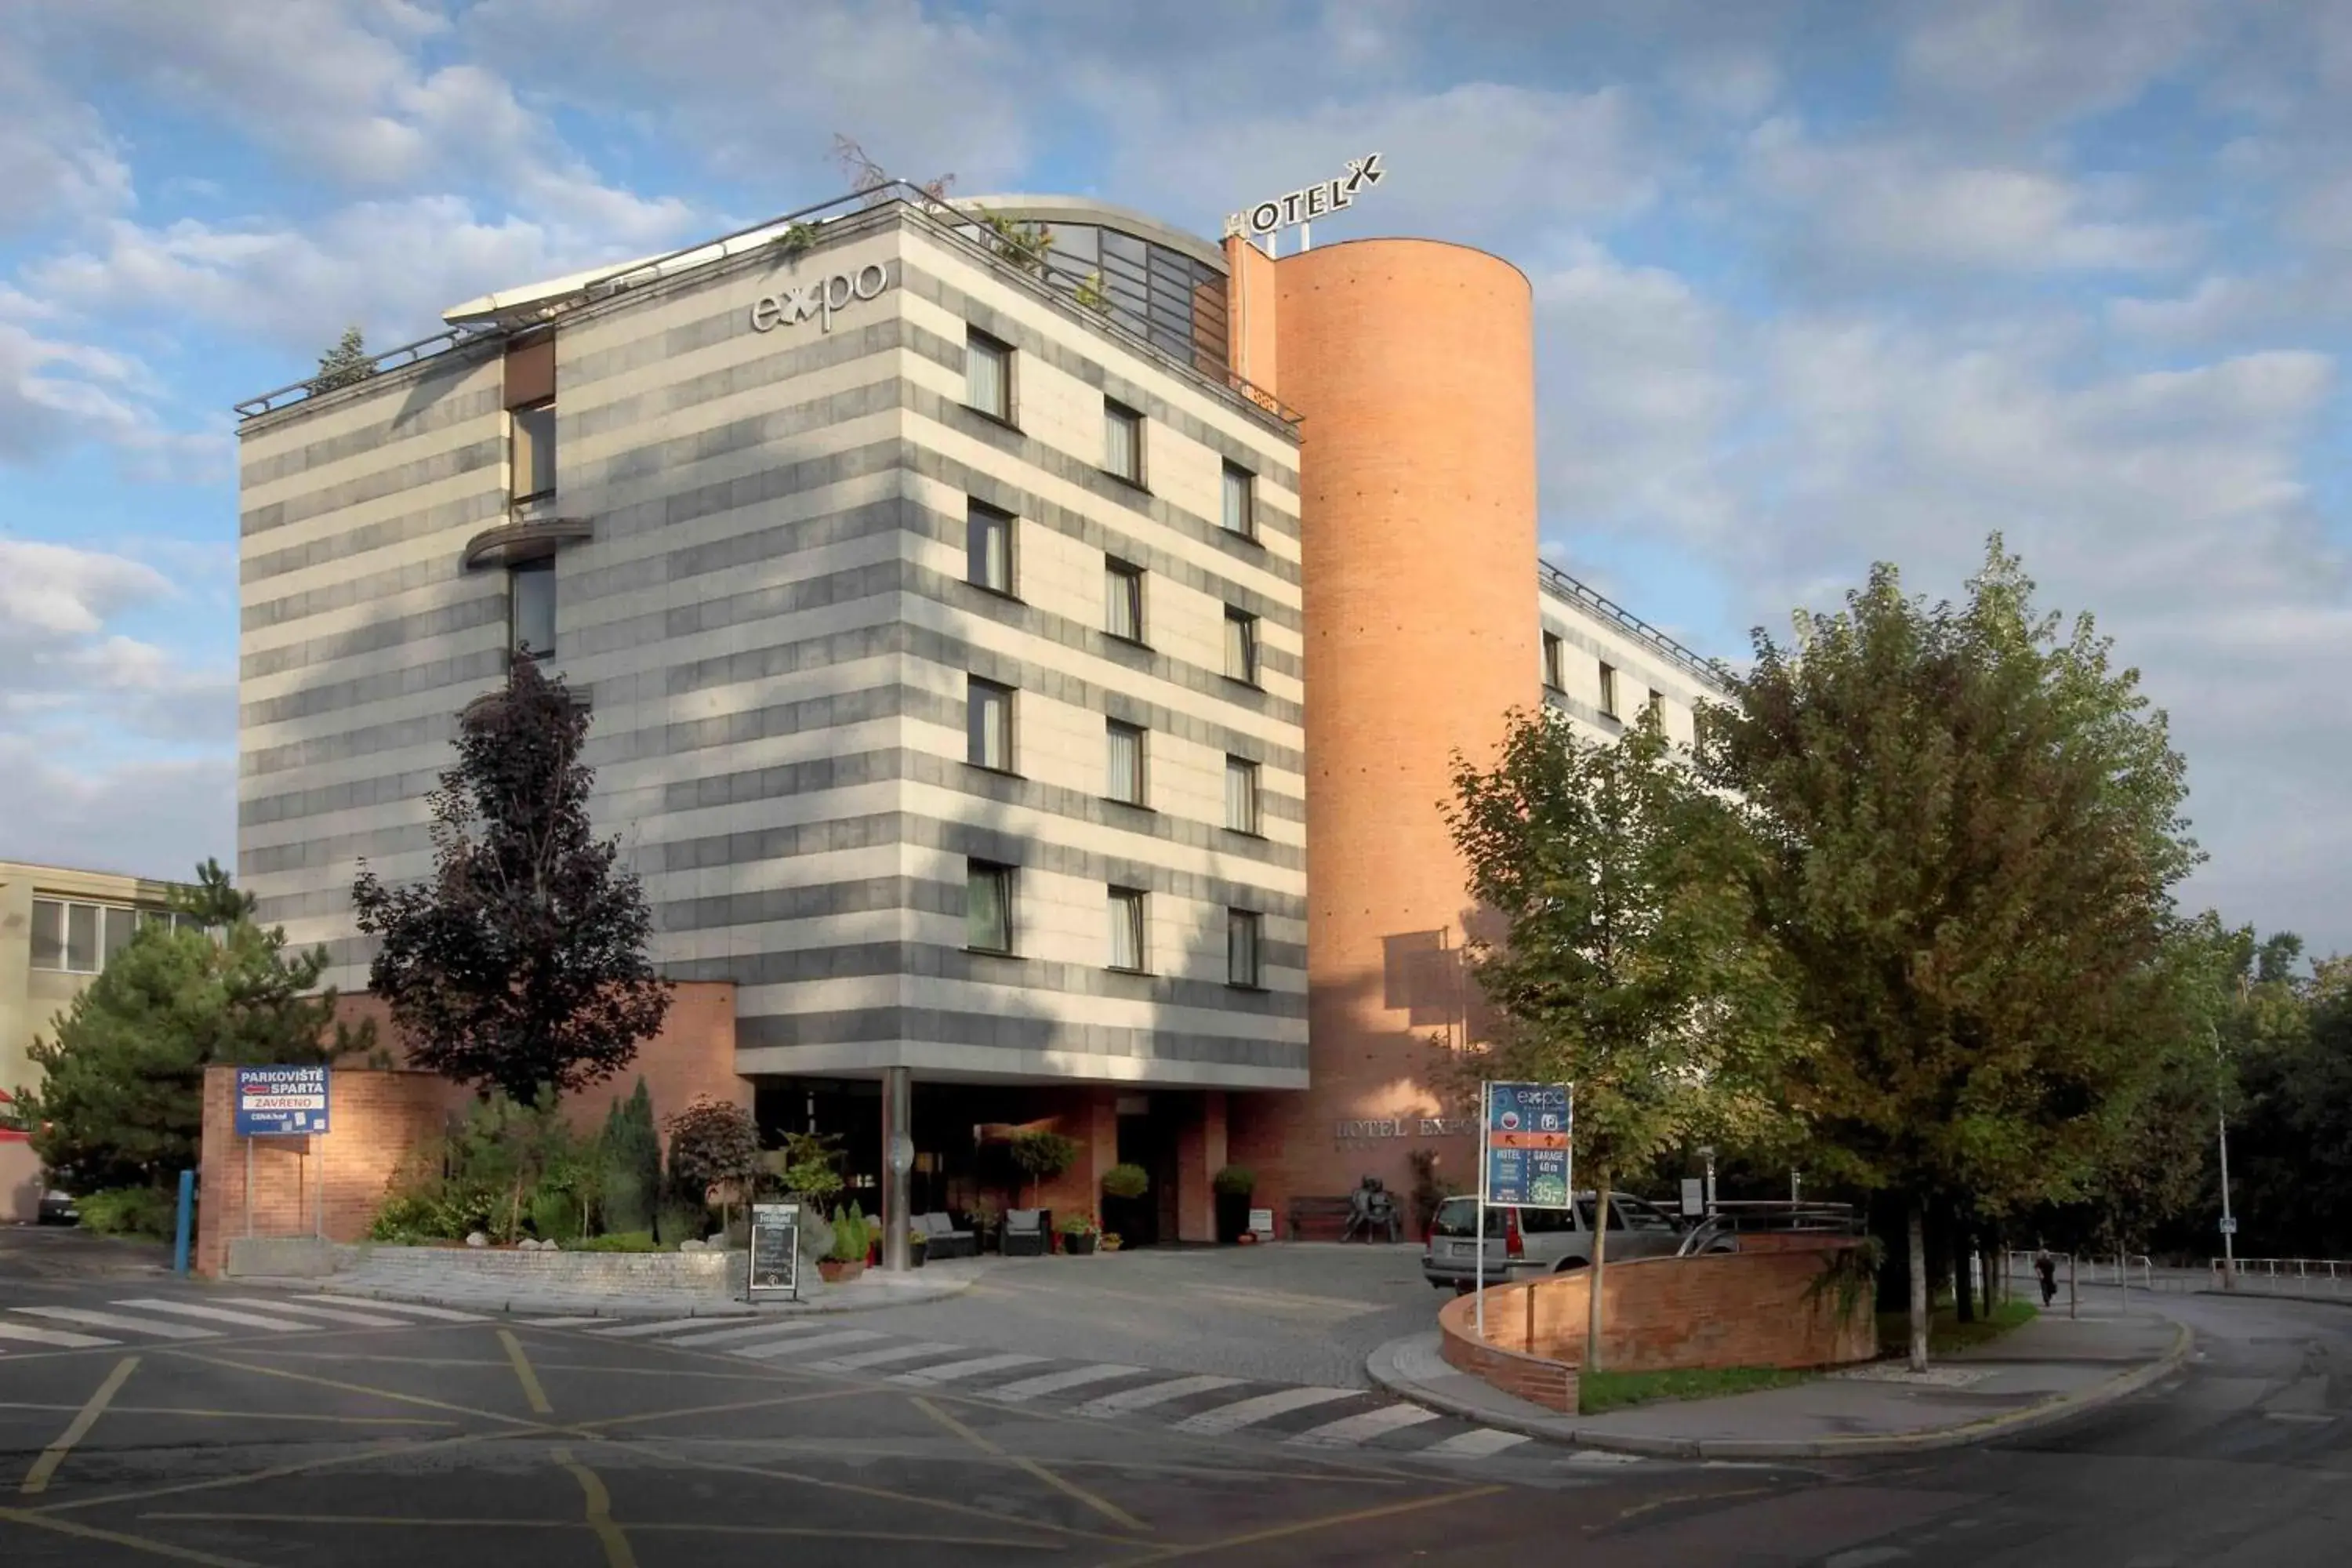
x=1414 y=365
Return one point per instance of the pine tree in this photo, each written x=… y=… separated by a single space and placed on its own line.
x=630 y=1153
x=213 y=900
x=348 y=364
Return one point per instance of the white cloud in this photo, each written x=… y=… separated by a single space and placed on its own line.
x=2027 y=65
x=61 y=665
x=154 y=817
x=55 y=158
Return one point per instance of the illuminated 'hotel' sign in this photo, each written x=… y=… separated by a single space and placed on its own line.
x=1308 y=204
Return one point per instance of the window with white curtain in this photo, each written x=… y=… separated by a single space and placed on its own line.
x=988 y=375
x=1608 y=689
x=1244 y=930
x=988 y=548
x=1240 y=501
x=1126 y=929
x=1123 y=600
x=1241 y=795
x=1552 y=650
x=1124 y=773
x=989 y=724
x=1123 y=441
x=1241 y=645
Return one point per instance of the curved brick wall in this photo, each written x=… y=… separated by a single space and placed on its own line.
x=1757 y=1308
x=1414 y=364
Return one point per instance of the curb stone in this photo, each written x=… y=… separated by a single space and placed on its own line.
x=630 y=1307
x=1379 y=1365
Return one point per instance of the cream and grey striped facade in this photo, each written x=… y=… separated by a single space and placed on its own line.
x=772 y=621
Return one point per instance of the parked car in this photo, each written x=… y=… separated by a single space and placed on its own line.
x=1519 y=1242
x=59 y=1208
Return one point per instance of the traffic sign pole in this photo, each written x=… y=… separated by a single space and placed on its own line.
x=1485 y=1121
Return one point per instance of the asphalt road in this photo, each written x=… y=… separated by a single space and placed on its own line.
x=499 y=1442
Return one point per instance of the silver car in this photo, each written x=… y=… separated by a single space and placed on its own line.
x=1524 y=1241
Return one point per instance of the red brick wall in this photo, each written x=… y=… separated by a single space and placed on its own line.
x=1754 y=1307
x=380 y=1118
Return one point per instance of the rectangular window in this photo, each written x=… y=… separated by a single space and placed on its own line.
x=1127 y=930
x=988 y=375
x=1240 y=501
x=1243 y=930
x=120 y=925
x=1608 y=689
x=530 y=606
x=1123 y=600
x=1123 y=442
x=81 y=937
x=1552 y=670
x=989 y=715
x=1658 y=705
x=49 y=935
x=988 y=906
x=1241 y=645
x=534 y=451
x=1125 y=781
x=988 y=546
x=1241 y=795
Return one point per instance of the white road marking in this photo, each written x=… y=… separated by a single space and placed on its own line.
x=1153 y=1394
x=117 y=1321
x=1475 y=1445
x=1056 y=1382
x=754 y=1332
x=557 y=1322
x=56 y=1339
x=219 y=1315
x=864 y=1358
x=951 y=1371
x=332 y=1314
x=1243 y=1413
x=1350 y=1430
x=406 y=1309
x=786 y=1347
x=632 y=1331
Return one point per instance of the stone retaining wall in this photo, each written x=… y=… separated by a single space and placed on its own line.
x=547 y=1273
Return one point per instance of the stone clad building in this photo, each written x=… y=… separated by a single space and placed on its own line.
x=1026 y=669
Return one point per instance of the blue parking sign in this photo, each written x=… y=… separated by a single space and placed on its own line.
x=1526 y=1144
x=281 y=1101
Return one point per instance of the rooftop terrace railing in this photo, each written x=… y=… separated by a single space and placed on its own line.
x=1559 y=584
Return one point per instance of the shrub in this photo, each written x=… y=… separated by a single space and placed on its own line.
x=851 y=1241
x=405 y=1216
x=680 y=1221
x=1235 y=1182
x=628 y=1159
x=1043 y=1155
x=1075 y=1225
x=147 y=1211
x=554 y=1214
x=1126 y=1181
x=620 y=1241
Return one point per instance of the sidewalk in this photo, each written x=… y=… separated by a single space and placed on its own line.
x=2048 y=1370
x=872 y=1290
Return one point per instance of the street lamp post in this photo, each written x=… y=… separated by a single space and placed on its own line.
x=2229 y=1223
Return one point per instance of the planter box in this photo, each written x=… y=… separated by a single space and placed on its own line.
x=1079 y=1246
x=547 y=1273
x=1233 y=1216
x=834 y=1272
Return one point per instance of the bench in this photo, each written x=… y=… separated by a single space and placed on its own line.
x=1325 y=1216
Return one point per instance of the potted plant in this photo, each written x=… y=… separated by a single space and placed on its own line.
x=1233 y=1187
x=1109 y=1241
x=916 y=1242
x=1123 y=1188
x=1042 y=1154
x=1079 y=1233
x=846 y=1261
x=987 y=1225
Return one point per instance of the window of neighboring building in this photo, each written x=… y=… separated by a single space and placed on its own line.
x=1244 y=930
x=1241 y=795
x=1241 y=645
x=1123 y=441
x=1125 y=780
x=1553 y=671
x=530 y=607
x=1608 y=689
x=988 y=906
x=1240 y=501
x=1658 y=705
x=988 y=546
x=988 y=375
x=1123 y=600
x=989 y=727
x=533 y=453
x=81 y=938
x=49 y=935
x=1127 y=930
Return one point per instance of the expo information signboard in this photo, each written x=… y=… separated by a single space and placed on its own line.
x=281 y=1101
x=1527 y=1138
x=775 y=1252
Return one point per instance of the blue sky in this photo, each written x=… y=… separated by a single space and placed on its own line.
x=1817 y=285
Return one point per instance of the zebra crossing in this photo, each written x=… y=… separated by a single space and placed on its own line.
x=1298 y=1416
x=136 y=1320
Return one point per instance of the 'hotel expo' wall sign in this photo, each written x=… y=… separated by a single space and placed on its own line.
x=820 y=299
x=1305 y=205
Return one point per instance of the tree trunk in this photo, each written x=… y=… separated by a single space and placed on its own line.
x=1963 y=1301
x=1996 y=1282
x=1916 y=1222
x=1600 y=1262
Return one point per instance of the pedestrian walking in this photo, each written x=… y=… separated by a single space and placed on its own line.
x=2047 y=1266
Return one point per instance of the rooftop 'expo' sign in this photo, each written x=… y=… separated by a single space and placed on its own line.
x=1308 y=204
x=820 y=299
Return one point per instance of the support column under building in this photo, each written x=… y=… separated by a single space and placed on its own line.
x=897 y=1161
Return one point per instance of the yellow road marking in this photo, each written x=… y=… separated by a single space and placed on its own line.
x=1329 y=1521
x=115 y=1538
x=801 y=1531
x=36 y=1480
x=1103 y=1506
x=499 y=1416
x=243 y=1414
x=1654 y=1503
x=885 y=1449
x=717 y=1409
x=530 y=1379
x=600 y=1510
x=272 y=1473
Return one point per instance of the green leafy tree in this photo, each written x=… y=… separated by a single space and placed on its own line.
x=629 y=1158
x=348 y=364
x=1973 y=827
x=520 y=965
x=120 y=1102
x=1626 y=966
x=715 y=1143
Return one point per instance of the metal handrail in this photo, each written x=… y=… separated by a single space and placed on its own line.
x=405 y=354
x=2324 y=1276
x=1713 y=671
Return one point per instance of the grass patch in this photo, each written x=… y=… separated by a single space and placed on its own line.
x=1605 y=1391
x=1947 y=1333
